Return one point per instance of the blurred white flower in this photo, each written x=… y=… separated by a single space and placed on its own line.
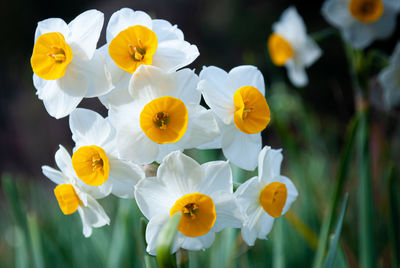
x=290 y=45
x=95 y=159
x=266 y=197
x=362 y=21
x=164 y=115
x=203 y=193
x=237 y=99
x=389 y=78
x=134 y=39
x=73 y=195
x=66 y=65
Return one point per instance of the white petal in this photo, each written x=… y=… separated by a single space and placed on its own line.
x=85 y=32
x=181 y=174
x=198 y=243
x=265 y=225
x=123 y=177
x=291 y=192
x=310 y=52
x=248 y=195
x=153 y=197
x=291 y=27
x=245 y=75
x=218 y=177
x=216 y=143
x=227 y=210
x=250 y=229
x=89 y=128
x=186 y=86
x=92 y=215
x=166 y=31
x=97 y=192
x=54 y=175
x=153 y=229
x=269 y=163
x=64 y=162
x=125 y=18
x=217 y=96
x=119 y=95
x=50 y=26
x=385 y=26
x=134 y=145
x=172 y=55
x=99 y=78
x=61 y=96
x=149 y=83
x=296 y=73
x=388 y=78
x=337 y=13
x=202 y=127
x=358 y=34
x=167 y=148
x=240 y=148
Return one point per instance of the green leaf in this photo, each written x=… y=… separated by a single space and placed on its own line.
x=330 y=258
x=36 y=244
x=164 y=241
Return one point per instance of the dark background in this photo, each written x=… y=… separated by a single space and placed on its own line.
x=228 y=33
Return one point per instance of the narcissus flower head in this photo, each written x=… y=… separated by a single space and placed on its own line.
x=73 y=195
x=202 y=193
x=237 y=99
x=66 y=65
x=290 y=46
x=362 y=21
x=266 y=197
x=164 y=115
x=95 y=159
x=134 y=39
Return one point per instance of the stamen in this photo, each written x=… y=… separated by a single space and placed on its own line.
x=160 y=119
x=58 y=54
x=246 y=111
x=137 y=52
x=190 y=210
x=97 y=163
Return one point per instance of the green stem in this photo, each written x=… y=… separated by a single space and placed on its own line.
x=344 y=166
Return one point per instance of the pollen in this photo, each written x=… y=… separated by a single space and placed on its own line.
x=252 y=114
x=67 y=198
x=198 y=214
x=366 y=11
x=133 y=47
x=279 y=49
x=51 y=56
x=164 y=120
x=91 y=165
x=273 y=198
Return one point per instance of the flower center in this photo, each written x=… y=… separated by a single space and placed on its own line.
x=366 y=11
x=91 y=165
x=51 y=56
x=273 y=198
x=67 y=198
x=133 y=47
x=252 y=113
x=160 y=119
x=198 y=214
x=164 y=120
x=279 y=49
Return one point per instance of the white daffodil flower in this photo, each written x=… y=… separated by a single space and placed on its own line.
x=266 y=197
x=237 y=99
x=95 y=158
x=203 y=193
x=164 y=115
x=73 y=195
x=66 y=65
x=389 y=78
x=362 y=21
x=290 y=45
x=134 y=39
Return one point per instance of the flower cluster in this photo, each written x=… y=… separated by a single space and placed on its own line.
x=154 y=113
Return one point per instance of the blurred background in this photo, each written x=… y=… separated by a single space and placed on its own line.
x=310 y=124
